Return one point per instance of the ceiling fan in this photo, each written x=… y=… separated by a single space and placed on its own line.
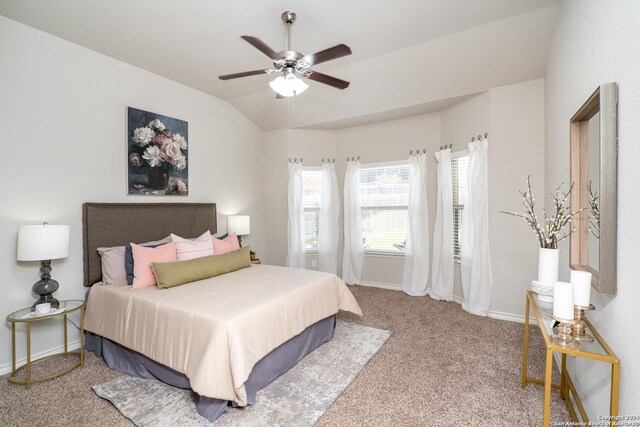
x=291 y=64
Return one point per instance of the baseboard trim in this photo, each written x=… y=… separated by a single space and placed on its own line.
x=6 y=368
x=499 y=315
x=381 y=285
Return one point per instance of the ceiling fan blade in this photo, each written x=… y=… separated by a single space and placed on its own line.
x=278 y=96
x=334 y=52
x=328 y=80
x=262 y=47
x=244 y=74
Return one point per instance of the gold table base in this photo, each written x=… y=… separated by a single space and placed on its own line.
x=566 y=388
x=66 y=353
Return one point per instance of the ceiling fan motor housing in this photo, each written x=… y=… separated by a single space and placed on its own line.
x=288 y=16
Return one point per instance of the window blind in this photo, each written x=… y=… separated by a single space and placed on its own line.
x=311 y=184
x=459 y=167
x=384 y=193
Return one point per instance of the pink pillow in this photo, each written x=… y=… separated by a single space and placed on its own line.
x=142 y=259
x=193 y=248
x=228 y=244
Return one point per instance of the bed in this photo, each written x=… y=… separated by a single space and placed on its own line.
x=224 y=337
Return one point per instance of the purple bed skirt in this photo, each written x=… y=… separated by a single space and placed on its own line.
x=264 y=372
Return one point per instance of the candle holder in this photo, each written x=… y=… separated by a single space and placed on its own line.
x=578 y=332
x=563 y=337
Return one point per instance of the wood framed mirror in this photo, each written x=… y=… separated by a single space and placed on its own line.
x=594 y=158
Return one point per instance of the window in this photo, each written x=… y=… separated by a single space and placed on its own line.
x=459 y=167
x=384 y=192
x=311 y=184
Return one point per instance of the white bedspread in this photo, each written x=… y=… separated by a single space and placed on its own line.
x=215 y=330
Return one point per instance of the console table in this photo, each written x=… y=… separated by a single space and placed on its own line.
x=597 y=350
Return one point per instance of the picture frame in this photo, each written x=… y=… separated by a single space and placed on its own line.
x=157 y=154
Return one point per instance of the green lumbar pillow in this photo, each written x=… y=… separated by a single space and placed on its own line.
x=170 y=274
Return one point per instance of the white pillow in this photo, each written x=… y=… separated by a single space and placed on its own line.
x=193 y=248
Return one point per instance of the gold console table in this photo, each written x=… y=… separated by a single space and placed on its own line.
x=597 y=350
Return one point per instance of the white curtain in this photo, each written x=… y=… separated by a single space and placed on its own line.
x=295 y=231
x=329 y=212
x=475 y=262
x=353 y=255
x=442 y=273
x=416 y=259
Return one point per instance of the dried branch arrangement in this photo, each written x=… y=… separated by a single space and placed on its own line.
x=594 y=213
x=550 y=232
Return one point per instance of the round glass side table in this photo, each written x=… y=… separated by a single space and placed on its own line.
x=28 y=316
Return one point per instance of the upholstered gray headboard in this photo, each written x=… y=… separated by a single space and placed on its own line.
x=115 y=224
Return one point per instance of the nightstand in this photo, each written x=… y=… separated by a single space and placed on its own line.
x=256 y=261
x=27 y=316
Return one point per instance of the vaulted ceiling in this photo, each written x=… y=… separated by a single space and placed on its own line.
x=409 y=56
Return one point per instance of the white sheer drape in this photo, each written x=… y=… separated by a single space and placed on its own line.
x=329 y=212
x=416 y=259
x=442 y=266
x=475 y=261
x=295 y=231
x=353 y=255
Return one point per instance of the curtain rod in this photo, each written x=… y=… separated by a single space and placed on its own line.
x=353 y=158
x=473 y=138
x=296 y=160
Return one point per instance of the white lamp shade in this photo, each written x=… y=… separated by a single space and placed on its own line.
x=289 y=85
x=43 y=242
x=239 y=224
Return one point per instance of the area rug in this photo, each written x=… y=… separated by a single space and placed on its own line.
x=297 y=398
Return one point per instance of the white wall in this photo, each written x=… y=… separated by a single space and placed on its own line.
x=275 y=181
x=598 y=42
x=516 y=141
x=63 y=111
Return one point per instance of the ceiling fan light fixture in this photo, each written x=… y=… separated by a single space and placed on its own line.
x=289 y=85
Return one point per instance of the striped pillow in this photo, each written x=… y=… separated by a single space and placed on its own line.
x=193 y=248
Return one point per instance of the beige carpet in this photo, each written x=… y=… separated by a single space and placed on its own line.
x=441 y=366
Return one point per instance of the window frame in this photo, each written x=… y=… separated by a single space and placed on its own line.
x=312 y=169
x=454 y=156
x=382 y=252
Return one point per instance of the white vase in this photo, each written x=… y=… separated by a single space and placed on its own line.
x=548 y=263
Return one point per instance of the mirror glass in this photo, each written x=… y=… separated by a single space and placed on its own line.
x=593 y=189
x=594 y=153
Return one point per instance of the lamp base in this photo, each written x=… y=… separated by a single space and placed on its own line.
x=46 y=286
x=46 y=298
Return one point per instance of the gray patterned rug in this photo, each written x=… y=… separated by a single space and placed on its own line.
x=297 y=398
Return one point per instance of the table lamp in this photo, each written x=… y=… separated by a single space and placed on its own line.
x=43 y=243
x=239 y=224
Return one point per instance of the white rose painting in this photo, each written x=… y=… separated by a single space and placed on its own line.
x=158 y=151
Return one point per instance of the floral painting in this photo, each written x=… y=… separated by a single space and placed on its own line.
x=158 y=154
